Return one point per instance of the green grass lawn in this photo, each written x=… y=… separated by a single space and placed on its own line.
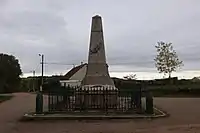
x=4 y=98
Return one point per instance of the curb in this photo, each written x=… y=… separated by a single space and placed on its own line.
x=31 y=116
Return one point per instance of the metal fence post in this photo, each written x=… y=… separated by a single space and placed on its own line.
x=39 y=103
x=149 y=103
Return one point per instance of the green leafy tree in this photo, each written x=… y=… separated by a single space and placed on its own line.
x=10 y=72
x=166 y=60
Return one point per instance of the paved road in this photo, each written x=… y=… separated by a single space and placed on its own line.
x=185 y=118
x=12 y=110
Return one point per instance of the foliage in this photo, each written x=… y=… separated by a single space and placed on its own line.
x=24 y=85
x=130 y=77
x=196 y=79
x=9 y=73
x=51 y=84
x=4 y=98
x=176 y=91
x=167 y=60
x=29 y=84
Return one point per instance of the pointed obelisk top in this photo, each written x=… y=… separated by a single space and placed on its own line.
x=97 y=16
x=96 y=24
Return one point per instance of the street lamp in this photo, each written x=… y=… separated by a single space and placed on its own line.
x=39 y=96
x=41 y=55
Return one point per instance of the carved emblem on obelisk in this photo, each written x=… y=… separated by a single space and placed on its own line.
x=97 y=48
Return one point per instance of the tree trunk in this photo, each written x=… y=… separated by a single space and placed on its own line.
x=170 y=81
x=170 y=75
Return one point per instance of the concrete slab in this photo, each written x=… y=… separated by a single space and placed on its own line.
x=77 y=116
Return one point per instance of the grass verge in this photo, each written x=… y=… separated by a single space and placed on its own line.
x=4 y=98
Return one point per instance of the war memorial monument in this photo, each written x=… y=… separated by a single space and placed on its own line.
x=97 y=93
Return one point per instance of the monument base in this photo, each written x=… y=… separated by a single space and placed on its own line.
x=96 y=97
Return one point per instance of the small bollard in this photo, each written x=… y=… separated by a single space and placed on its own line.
x=149 y=103
x=39 y=103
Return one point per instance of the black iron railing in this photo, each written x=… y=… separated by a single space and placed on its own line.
x=102 y=99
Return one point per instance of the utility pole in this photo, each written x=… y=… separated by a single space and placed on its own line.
x=33 y=80
x=33 y=73
x=42 y=69
x=42 y=78
x=32 y=83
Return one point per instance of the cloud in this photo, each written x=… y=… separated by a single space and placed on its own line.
x=61 y=30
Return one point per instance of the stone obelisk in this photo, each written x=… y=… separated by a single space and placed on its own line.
x=97 y=69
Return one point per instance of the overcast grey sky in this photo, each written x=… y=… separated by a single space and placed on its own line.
x=60 y=29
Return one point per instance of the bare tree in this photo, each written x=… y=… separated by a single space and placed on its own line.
x=130 y=77
x=167 y=60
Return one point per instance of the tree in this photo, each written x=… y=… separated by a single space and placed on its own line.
x=167 y=60
x=10 y=72
x=130 y=77
x=196 y=79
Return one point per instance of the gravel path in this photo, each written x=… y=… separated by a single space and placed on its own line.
x=184 y=118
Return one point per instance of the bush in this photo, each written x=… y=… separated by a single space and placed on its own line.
x=176 y=92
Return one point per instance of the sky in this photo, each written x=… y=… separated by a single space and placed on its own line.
x=60 y=29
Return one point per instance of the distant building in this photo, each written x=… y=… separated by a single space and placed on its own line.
x=75 y=76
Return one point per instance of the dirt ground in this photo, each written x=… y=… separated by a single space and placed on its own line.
x=184 y=118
